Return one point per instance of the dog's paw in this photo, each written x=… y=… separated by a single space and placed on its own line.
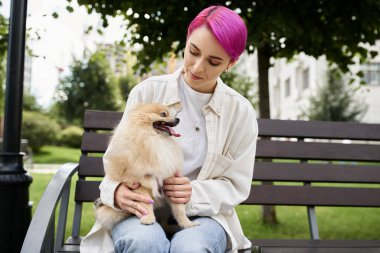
x=148 y=219
x=188 y=224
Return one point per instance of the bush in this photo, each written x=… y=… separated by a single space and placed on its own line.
x=71 y=137
x=39 y=130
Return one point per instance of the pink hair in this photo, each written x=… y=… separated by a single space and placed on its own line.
x=227 y=27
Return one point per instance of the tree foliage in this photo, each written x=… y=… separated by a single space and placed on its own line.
x=284 y=28
x=126 y=83
x=243 y=85
x=30 y=102
x=335 y=101
x=91 y=85
x=39 y=130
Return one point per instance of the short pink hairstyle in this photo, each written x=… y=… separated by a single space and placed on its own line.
x=227 y=27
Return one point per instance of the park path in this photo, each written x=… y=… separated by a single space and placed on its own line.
x=43 y=168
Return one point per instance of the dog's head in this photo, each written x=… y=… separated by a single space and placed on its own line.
x=156 y=116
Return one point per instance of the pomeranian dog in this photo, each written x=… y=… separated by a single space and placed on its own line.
x=142 y=149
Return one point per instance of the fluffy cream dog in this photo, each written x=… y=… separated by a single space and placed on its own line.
x=142 y=149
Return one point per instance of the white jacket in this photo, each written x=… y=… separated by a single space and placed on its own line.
x=225 y=179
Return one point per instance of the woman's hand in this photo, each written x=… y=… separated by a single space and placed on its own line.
x=130 y=201
x=178 y=188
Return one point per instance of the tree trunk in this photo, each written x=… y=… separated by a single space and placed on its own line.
x=268 y=212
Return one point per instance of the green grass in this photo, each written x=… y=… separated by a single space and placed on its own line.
x=334 y=222
x=56 y=155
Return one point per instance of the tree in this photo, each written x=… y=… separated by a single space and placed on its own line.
x=91 y=85
x=275 y=28
x=30 y=103
x=334 y=101
x=126 y=83
x=243 y=85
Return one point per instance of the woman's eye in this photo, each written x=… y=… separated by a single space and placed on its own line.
x=194 y=53
x=163 y=114
x=214 y=63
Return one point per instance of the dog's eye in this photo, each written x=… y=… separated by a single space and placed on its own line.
x=163 y=114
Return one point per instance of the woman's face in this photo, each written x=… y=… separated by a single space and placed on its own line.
x=205 y=60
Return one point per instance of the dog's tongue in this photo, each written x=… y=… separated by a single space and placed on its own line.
x=172 y=132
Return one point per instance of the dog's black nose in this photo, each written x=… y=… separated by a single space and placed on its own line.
x=176 y=121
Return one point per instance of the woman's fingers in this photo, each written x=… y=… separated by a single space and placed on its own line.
x=139 y=197
x=136 y=208
x=177 y=180
x=130 y=201
x=178 y=189
x=179 y=200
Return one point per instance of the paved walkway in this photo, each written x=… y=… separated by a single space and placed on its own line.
x=43 y=168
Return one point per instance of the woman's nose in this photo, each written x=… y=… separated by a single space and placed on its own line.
x=198 y=66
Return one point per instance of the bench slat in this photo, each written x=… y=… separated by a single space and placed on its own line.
x=285 y=243
x=87 y=191
x=101 y=120
x=318 y=129
x=69 y=248
x=91 y=166
x=267 y=171
x=318 y=250
x=317 y=151
x=107 y=120
x=306 y=172
x=313 y=196
x=95 y=142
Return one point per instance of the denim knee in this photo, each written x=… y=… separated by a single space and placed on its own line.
x=209 y=236
x=132 y=236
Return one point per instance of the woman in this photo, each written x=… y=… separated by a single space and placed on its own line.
x=218 y=137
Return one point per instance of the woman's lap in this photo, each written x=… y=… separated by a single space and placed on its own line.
x=132 y=236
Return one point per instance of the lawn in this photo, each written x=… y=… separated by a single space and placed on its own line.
x=334 y=223
x=56 y=155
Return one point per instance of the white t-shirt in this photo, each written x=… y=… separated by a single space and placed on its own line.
x=192 y=127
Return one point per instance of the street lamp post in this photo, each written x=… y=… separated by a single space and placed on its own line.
x=15 y=210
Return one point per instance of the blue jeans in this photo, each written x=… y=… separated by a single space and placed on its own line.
x=132 y=236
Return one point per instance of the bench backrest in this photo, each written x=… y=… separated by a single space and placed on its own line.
x=287 y=151
x=317 y=152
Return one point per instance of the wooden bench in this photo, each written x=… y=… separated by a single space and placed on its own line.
x=339 y=152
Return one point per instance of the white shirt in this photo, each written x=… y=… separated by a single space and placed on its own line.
x=192 y=127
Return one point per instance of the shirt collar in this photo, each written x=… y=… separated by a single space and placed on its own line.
x=172 y=95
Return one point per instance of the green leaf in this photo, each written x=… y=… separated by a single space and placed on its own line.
x=69 y=8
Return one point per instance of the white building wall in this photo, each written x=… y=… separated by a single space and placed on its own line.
x=295 y=104
x=292 y=83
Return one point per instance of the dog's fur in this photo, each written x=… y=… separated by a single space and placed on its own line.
x=140 y=152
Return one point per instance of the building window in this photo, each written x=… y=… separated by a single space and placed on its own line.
x=371 y=73
x=305 y=79
x=287 y=87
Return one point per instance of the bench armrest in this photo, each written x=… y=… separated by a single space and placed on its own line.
x=44 y=216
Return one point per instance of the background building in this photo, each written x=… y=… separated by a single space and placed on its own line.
x=292 y=83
